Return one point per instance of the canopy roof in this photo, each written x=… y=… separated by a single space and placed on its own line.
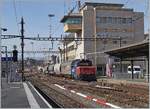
x=130 y=51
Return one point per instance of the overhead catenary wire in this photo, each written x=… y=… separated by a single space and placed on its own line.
x=15 y=12
x=148 y=15
x=147 y=8
x=56 y=28
x=20 y=7
x=126 y=3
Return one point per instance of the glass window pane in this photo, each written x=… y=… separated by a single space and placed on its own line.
x=73 y=21
x=119 y=20
x=129 y=20
x=124 y=20
x=109 y=20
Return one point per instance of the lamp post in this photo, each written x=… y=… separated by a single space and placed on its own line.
x=50 y=26
x=95 y=45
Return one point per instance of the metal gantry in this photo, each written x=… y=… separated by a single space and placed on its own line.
x=54 y=52
x=10 y=36
x=52 y=39
x=61 y=38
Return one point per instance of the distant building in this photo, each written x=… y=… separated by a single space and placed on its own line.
x=116 y=25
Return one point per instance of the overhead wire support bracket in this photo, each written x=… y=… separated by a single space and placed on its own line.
x=53 y=52
x=10 y=36
x=60 y=38
x=68 y=39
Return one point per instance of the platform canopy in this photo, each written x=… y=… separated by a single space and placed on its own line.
x=131 y=51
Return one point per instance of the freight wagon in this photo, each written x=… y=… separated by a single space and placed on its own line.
x=77 y=69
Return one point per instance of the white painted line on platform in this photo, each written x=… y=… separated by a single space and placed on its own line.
x=80 y=94
x=49 y=106
x=99 y=101
x=60 y=86
x=30 y=97
x=15 y=82
x=72 y=91
x=103 y=87
x=94 y=99
x=14 y=87
x=114 y=106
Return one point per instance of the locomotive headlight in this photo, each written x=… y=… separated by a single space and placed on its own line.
x=73 y=70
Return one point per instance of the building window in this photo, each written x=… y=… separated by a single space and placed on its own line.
x=119 y=20
x=114 y=42
x=124 y=30
x=124 y=20
x=98 y=19
x=105 y=42
x=70 y=48
x=103 y=20
x=105 y=29
x=124 y=42
x=129 y=20
x=109 y=20
x=114 y=20
x=73 y=21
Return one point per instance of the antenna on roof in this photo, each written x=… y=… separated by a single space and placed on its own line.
x=72 y=9
x=68 y=4
x=79 y=4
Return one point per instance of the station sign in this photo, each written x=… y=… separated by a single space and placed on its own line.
x=7 y=59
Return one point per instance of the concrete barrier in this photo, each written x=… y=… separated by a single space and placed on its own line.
x=125 y=76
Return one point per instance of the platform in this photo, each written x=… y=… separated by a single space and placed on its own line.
x=21 y=95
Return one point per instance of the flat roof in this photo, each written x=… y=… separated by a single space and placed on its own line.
x=72 y=15
x=130 y=51
x=100 y=4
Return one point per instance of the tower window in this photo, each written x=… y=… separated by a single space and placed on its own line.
x=114 y=42
x=124 y=42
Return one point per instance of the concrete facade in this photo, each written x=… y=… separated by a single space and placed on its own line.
x=106 y=21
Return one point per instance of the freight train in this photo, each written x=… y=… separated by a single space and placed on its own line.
x=80 y=69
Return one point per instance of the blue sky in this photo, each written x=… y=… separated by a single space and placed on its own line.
x=35 y=13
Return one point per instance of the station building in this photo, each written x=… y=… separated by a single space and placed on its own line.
x=114 y=24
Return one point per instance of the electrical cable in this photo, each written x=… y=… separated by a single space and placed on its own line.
x=15 y=11
x=127 y=1
x=147 y=7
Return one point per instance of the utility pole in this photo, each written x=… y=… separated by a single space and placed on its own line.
x=22 y=48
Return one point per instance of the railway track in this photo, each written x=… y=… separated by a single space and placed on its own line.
x=113 y=95
x=50 y=100
x=121 y=95
x=62 y=100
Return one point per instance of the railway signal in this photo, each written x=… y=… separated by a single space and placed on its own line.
x=15 y=55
